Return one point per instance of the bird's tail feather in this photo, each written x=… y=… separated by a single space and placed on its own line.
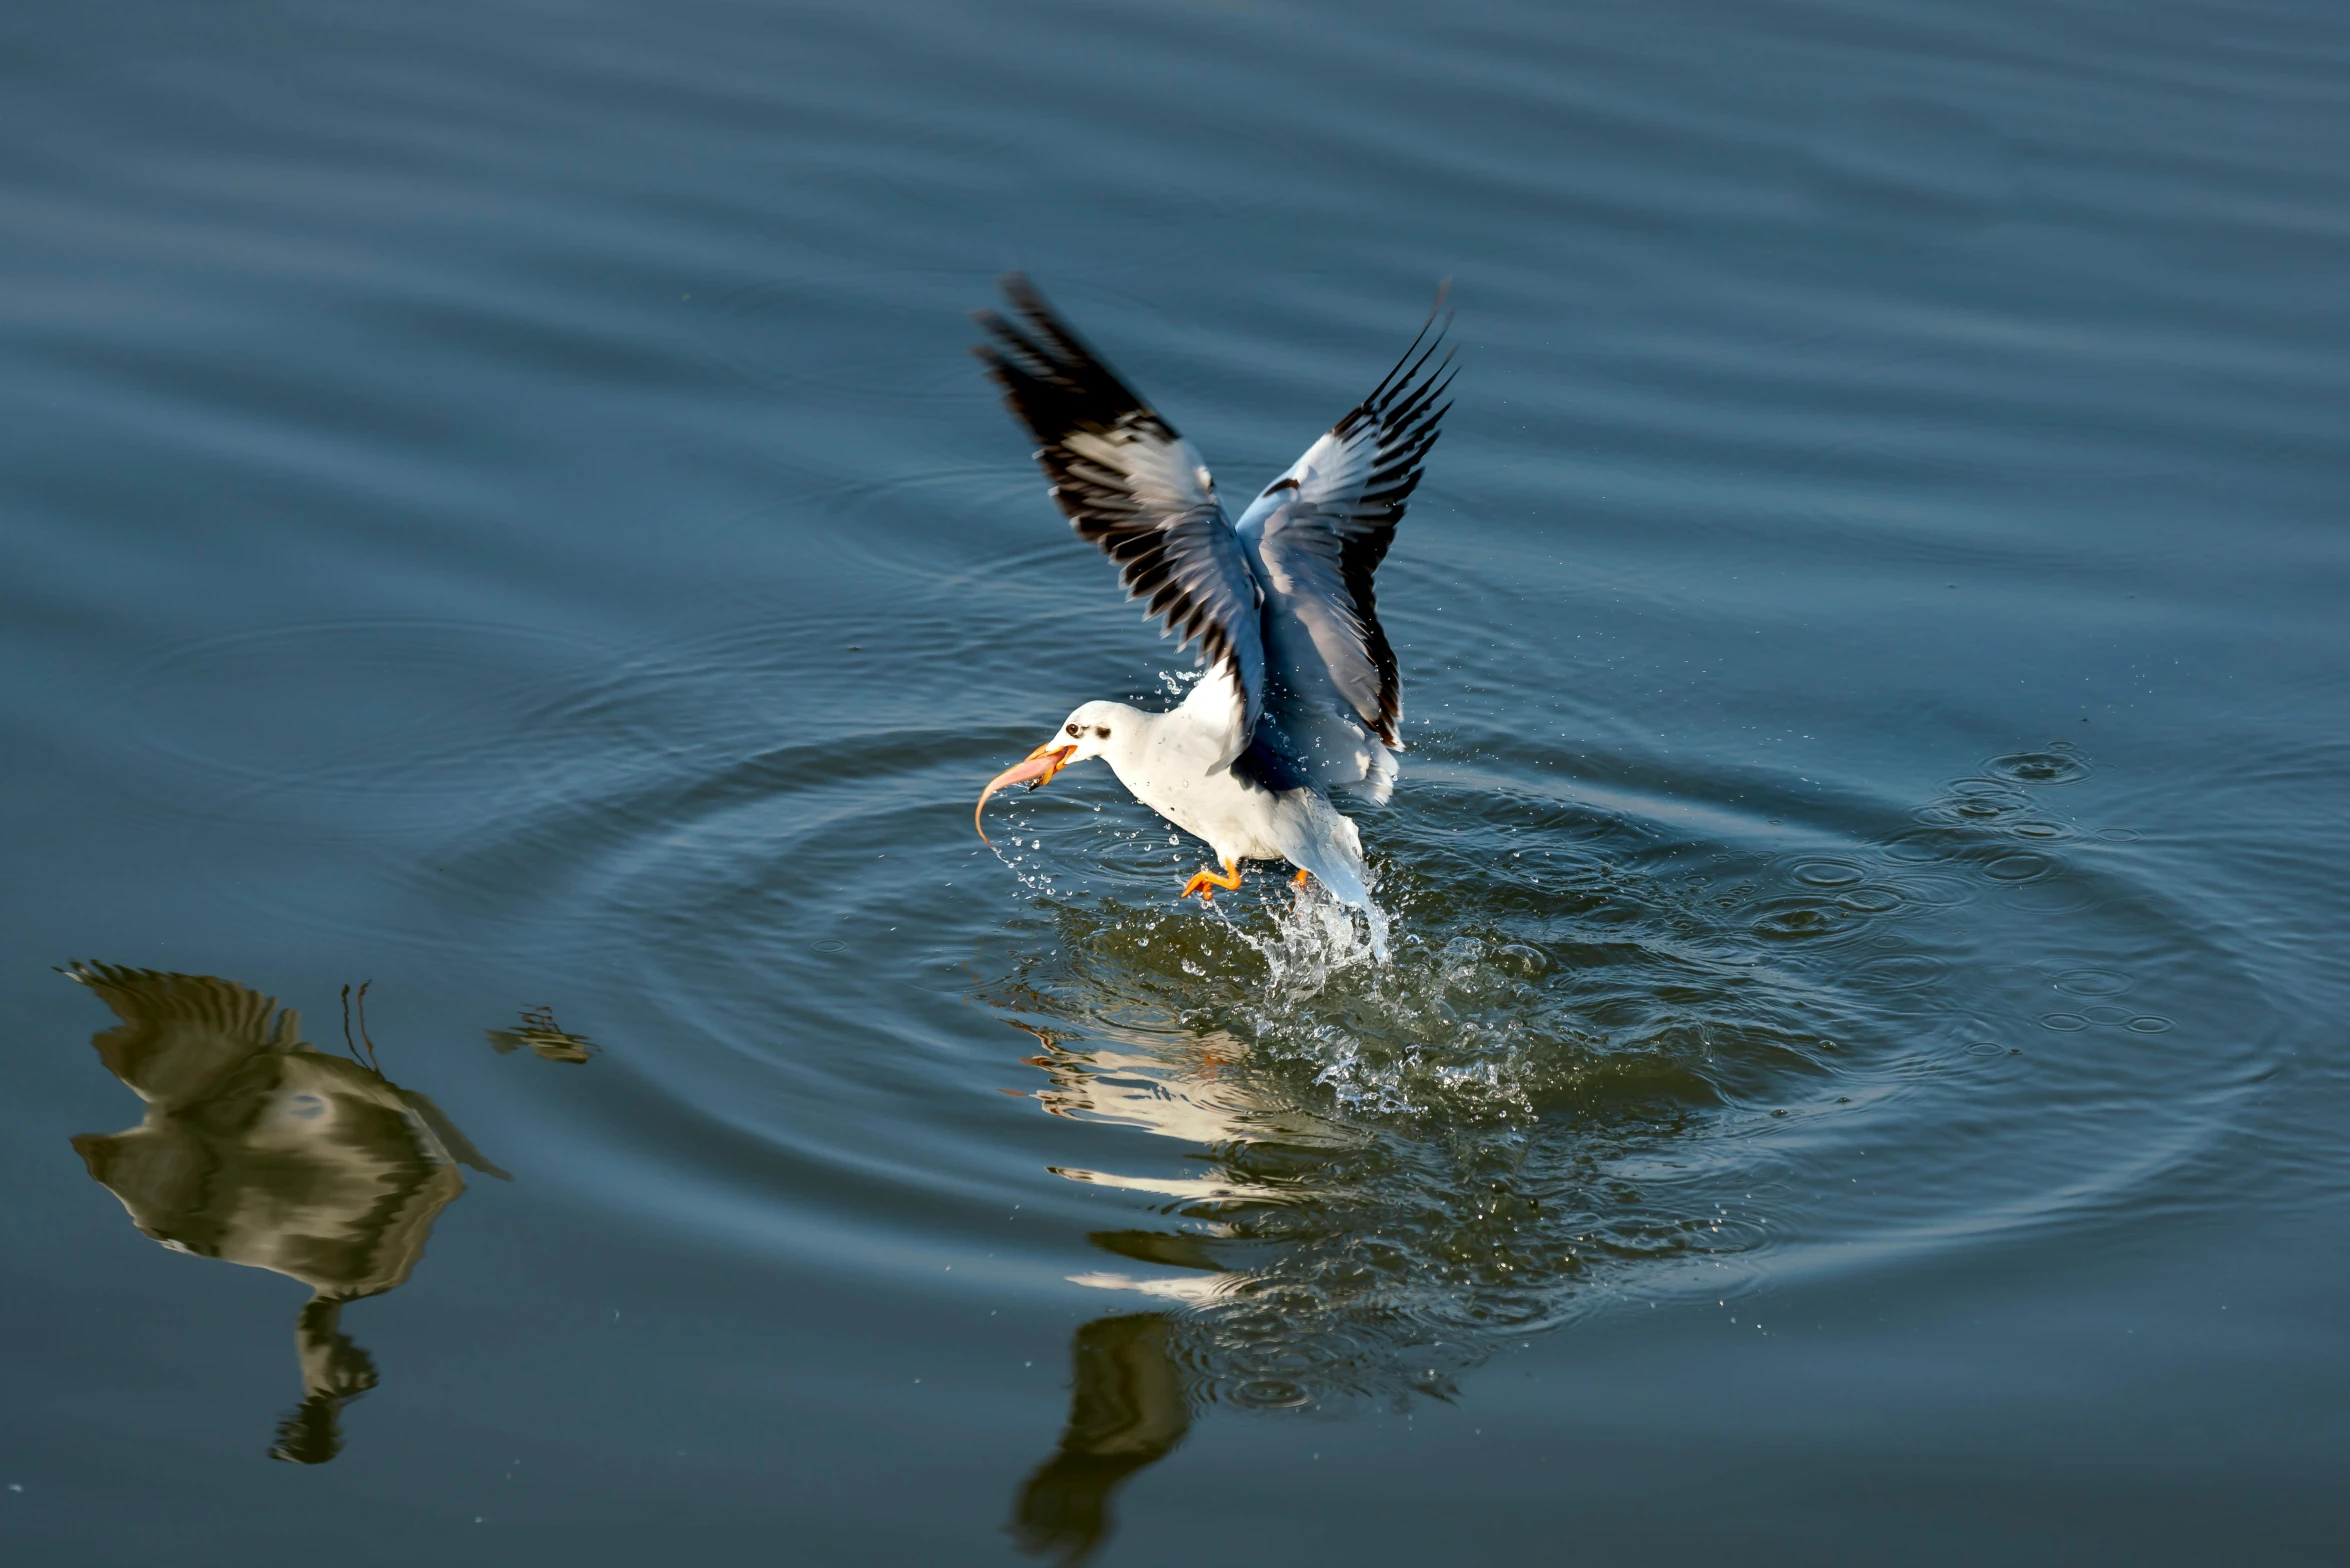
x=1316 y=838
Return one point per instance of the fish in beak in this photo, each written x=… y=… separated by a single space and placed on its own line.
x=1035 y=770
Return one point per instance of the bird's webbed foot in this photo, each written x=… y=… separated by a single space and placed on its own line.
x=1205 y=883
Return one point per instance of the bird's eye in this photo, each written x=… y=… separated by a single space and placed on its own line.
x=1072 y=729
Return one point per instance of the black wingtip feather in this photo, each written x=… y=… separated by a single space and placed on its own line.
x=1406 y=412
x=1052 y=380
x=1056 y=385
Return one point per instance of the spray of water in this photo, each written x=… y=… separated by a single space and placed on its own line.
x=1574 y=1054
x=1315 y=937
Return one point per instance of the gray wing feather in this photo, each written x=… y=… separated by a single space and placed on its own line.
x=1320 y=531
x=1129 y=483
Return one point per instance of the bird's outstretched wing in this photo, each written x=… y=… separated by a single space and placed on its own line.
x=1129 y=483
x=1319 y=533
x=181 y=1036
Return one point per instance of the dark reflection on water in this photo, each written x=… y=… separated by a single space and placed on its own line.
x=260 y=1149
x=1129 y=1405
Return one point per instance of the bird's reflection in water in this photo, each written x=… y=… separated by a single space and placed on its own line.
x=259 y=1149
x=1128 y=1408
x=539 y=1031
x=1318 y=1257
x=1132 y=1389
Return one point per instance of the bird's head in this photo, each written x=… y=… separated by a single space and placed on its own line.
x=1086 y=733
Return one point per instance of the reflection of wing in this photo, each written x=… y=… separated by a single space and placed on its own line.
x=257 y=1149
x=1127 y=1409
x=1319 y=533
x=181 y=1034
x=1129 y=483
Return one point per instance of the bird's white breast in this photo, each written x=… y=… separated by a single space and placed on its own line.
x=1175 y=766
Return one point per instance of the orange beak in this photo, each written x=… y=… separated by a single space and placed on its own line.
x=1035 y=771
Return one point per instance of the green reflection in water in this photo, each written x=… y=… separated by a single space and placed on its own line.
x=259 y=1149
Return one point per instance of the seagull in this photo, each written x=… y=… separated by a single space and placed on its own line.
x=1298 y=693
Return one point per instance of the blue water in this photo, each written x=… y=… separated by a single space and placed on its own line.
x=496 y=509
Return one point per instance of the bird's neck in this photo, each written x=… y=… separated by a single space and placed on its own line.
x=1132 y=737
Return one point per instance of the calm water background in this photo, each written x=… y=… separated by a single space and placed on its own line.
x=495 y=505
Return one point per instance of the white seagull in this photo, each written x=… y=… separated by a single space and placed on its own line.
x=1299 y=693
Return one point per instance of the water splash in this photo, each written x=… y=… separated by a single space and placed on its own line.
x=1314 y=937
x=1575 y=1047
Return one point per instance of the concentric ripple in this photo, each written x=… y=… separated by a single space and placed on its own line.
x=1608 y=1059
x=1681 y=1035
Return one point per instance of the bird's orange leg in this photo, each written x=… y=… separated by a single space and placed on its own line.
x=1206 y=882
x=1299 y=880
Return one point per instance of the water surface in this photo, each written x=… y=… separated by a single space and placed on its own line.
x=513 y=585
